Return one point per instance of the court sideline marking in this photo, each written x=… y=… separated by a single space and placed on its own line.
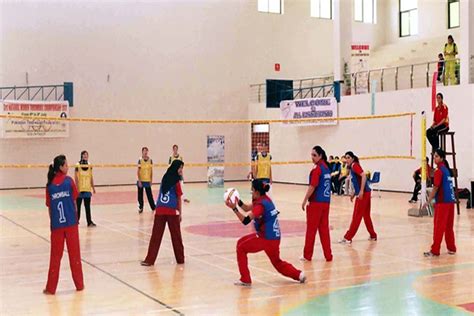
x=168 y=307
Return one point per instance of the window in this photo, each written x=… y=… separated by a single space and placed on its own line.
x=453 y=13
x=270 y=6
x=365 y=11
x=408 y=17
x=321 y=9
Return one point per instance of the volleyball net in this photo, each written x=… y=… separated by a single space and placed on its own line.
x=114 y=145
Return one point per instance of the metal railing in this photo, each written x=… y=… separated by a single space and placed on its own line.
x=258 y=91
x=31 y=93
x=321 y=91
x=396 y=78
x=412 y=76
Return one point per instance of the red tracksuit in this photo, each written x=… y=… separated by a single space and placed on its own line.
x=317 y=211
x=64 y=228
x=170 y=215
x=361 y=206
x=444 y=211
x=266 y=239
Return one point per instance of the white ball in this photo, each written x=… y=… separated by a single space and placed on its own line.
x=231 y=194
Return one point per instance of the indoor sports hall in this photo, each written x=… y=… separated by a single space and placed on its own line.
x=225 y=157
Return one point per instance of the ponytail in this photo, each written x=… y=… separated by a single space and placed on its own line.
x=51 y=174
x=54 y=167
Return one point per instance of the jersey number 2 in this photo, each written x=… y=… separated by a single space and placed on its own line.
x=62 y=218
x=327 y=188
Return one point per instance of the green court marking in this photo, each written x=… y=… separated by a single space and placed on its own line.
x=21 y=203
x=389 y=296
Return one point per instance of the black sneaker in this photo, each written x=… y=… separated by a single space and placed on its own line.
x=91 y=224
x=145 y=264
x=140 y=210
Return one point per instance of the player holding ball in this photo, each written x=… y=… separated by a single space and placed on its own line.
x=267 y=237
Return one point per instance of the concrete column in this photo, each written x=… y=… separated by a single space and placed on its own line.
x=466 y=45
x=342 y=36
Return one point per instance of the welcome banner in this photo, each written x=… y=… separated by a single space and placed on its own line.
x=309 y=108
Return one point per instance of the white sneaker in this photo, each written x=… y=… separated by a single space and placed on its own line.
x=451 y=252
x=302 y=277
x=372 y=239
x=303 y=259
x=240 y=283
x=345 y=241
x=429 y=254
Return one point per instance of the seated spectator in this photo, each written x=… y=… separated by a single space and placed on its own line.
x=440 y=66
x=440 y=123
x=330 y=162
x=417 y=178
x=342 y=177
x=335 y=172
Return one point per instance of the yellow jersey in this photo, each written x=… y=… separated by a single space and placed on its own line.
x=84 y=177
x=173 y=158
x=264 y=167
x=145 y=170
x=344 y=170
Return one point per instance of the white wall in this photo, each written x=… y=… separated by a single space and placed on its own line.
x=166 y=59
x=375 y=137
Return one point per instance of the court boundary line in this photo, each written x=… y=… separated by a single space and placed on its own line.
x=168 y=307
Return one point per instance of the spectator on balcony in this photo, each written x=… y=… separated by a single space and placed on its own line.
x=450 y=52
x=440 y=66
x=440 y=122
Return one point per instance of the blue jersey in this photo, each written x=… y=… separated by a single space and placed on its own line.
x=356 y=179
x=266 y=219
x=444 y=182
x=322 y=193
x=62 y=207
x=168 y=199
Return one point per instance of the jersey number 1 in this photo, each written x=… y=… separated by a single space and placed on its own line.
x=62 y=218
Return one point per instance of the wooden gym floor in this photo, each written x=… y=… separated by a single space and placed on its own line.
x=386 y=277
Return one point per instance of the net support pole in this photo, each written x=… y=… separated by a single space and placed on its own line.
x=424 y=197
x=411 y=135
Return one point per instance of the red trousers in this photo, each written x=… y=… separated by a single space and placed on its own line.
x=157 y=235
x=71 y=235
x=317 y=218
x=252 y=244
x=443 y=225
x=361 y=210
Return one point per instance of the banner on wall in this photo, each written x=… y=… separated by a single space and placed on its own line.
x=215 y=153
x=360 y=54
x=34 y=126
x=309 y=108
